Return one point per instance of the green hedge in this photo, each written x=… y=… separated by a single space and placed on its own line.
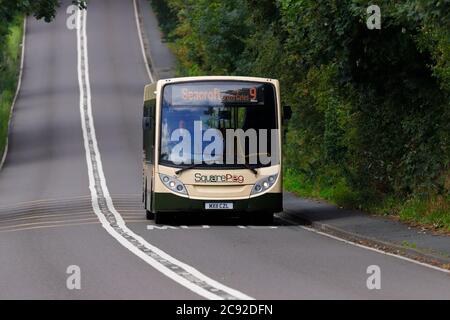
x=10 y=54
x=371 y=126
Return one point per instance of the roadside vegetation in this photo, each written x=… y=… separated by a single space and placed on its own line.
x=10 y=54
x=11 y=30
x=371 y=125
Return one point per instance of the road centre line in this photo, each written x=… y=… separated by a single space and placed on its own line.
x=103 y=205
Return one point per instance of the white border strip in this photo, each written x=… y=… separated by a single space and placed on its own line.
x=365 y=247
x=19 y=84
x=141 y=41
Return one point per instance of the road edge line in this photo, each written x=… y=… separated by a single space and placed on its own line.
x=19 y=84
x=356 y=240
x=145 y=48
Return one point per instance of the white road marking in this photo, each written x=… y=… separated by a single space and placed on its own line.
x=365 y=247
x=195 y=227
x=141 y=41
x=19 y=84
x=153 y=227
x=258 y=227
x=104 y=208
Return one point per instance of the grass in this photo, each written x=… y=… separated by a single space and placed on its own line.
x=332 y=189
x=9 y=66
x=431 y=211
x=407 y=244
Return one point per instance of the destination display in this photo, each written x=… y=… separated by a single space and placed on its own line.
x=216 y=93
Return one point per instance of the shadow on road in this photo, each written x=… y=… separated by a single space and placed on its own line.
x=223 y=219
x=313 y=210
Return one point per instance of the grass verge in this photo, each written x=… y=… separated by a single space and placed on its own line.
x=431 y=211
x=9 y=68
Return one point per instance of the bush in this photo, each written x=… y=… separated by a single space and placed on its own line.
x=371 y=107
x=10 y=52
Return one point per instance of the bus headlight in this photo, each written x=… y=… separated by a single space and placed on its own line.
x=173 y=184
x=264 y=184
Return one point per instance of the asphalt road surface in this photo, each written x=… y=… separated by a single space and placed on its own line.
x=47 y=216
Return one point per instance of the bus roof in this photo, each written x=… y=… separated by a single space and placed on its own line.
x=217 y=78
x=150 y=90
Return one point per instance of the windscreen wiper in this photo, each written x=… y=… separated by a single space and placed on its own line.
x=250 y=168
x=178 y=172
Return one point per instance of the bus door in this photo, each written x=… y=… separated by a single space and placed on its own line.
x=149 y=145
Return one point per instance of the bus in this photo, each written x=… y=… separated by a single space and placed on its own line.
x=213 y=144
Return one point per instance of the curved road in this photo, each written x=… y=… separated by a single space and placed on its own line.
x=47 y=219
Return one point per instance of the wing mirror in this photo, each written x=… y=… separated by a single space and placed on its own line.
x=287 y=113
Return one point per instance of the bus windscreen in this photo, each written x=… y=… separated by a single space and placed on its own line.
x=198 y=119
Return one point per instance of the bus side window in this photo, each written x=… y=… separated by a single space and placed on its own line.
x=148 y=124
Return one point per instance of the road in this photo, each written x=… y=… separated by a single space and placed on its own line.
x=48 y=221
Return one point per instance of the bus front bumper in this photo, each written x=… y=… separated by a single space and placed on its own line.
x=168 y=202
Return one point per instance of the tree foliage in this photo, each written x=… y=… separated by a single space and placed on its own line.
x=40 y=9
x=372 y=107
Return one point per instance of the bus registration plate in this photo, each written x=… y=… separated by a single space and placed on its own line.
x=219 y=206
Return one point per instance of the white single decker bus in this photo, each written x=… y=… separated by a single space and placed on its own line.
x=213 y=144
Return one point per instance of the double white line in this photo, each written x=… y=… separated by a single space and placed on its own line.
x=103 y=205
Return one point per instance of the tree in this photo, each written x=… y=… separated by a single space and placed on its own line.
x=371 y=107
x=40 y=9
